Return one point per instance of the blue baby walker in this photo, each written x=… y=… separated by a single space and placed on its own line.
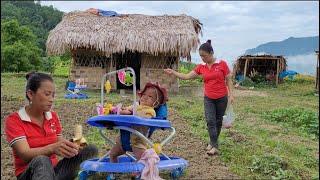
x=128 y=163
x=74 y=90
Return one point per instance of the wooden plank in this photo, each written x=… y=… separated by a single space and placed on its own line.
x=245 y=69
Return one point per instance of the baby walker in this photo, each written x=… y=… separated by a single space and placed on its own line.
x=128 y=163
x=74 y=90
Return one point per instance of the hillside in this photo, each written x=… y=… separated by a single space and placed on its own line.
x=40 y=19
x=288 y=47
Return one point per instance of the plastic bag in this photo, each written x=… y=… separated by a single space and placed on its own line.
x=228 y=118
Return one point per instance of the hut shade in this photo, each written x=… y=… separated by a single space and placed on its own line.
x=258 y=58
x=262 y=64
x=175 y=35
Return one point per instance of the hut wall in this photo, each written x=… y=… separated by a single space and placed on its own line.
x=91 y=75
x=152 y=71
x=92 y=65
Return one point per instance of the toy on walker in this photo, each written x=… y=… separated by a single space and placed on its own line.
x=128 y=163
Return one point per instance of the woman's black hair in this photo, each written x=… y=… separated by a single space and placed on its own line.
x=34 y=80
x=206 y=47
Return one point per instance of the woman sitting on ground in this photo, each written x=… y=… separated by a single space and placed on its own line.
x=35 y=135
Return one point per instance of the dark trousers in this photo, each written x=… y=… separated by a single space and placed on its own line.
x=40 y=167
x=214 y=110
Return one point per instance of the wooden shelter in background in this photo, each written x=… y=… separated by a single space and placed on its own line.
x=317 y=72
x=101 y=44
x=261 y=64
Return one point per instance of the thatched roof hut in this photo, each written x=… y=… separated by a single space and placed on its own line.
x=266 y=66
x=149 y=42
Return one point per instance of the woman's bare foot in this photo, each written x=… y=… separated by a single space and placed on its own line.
x=213 y=151
x=209 y=147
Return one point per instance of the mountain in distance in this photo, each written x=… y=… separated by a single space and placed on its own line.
x=288 y=47
x=299 y=53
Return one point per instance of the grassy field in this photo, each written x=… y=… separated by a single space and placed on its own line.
x=275 y=133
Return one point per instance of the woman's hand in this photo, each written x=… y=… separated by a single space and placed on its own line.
x=231 y=99
x=190 y=75
x=230 y=88
x=65 y=148
x=169 y=71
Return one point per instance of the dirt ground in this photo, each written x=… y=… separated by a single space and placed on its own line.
x=184 y=144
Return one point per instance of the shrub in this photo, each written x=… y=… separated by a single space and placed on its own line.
x=296 y=117
x=18 y=48
x=186 y=67
x=270 y=165
x=48 y=64
x=301 y=79
x=247 y=82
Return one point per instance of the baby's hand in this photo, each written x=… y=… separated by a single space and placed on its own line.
x=126 y=111
x=130 y=108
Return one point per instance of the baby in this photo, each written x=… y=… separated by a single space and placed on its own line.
x=151 y=97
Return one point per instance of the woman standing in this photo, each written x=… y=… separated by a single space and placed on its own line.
x=35 y=135
x=217 y=90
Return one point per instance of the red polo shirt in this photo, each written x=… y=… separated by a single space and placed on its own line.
x=214 y=78
x=19 y=126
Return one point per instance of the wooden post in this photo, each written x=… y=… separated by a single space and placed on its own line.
x=245 y=69
x=277 y=78
x=71 y=66
x=317 y=73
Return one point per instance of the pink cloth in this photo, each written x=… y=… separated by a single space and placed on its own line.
x=150 y=160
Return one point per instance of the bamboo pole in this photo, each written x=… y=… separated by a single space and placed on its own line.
x=71 y=66
x=317 y=73
x=277 y=78
x=245 y=69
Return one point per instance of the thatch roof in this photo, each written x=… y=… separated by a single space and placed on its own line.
x=262 y=57
x=175 y=35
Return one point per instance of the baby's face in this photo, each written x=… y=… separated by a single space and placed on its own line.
x=149 y=97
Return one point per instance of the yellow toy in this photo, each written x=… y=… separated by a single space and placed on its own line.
x=107 y=86
x=107 y=108
x=157 y=148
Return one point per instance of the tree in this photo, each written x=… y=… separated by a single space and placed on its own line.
x=19 y=51
x=39 y=19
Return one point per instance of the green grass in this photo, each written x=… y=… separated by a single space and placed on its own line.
x=255 y=148
x=251 y=147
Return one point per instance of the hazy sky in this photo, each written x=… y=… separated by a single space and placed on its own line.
x=233 y=26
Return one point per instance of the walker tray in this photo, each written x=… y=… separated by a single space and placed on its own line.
x=127 y=120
